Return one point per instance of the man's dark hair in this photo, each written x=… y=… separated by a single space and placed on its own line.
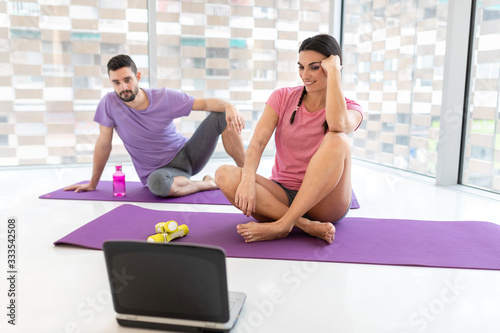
x=121 y=61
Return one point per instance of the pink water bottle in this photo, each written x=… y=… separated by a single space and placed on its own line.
x=119 y=182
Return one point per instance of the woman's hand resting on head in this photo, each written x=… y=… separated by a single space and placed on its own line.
x=332 y=63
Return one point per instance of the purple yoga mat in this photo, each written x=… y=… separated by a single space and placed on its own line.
x=452 y=244
x=136 y=192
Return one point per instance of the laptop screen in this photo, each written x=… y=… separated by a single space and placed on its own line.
x=168 y=280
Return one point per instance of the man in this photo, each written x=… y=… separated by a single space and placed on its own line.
x=143 y=118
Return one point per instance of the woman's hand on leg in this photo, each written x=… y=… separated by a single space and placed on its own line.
x=245 y=198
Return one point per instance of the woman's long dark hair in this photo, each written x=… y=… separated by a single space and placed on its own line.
x=327 y=46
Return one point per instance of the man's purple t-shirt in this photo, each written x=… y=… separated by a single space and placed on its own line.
x=149 y=135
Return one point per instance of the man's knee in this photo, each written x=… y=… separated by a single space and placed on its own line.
x=219 y=121
x=159 y=184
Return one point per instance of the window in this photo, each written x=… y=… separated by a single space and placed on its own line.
x=481 y=156
x=54 y=56
x=231 y=50
x=53 y=62
x=393 y=66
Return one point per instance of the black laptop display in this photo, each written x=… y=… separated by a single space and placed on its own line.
x=170 y=286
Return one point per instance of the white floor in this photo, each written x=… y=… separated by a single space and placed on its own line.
x=65 y=289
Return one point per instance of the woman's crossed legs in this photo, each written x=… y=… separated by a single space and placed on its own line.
x=325 y=195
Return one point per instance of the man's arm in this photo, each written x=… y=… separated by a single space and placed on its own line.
x=101 y=154
x=234 y=118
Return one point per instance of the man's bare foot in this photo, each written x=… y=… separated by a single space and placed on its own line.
x=323 y=230
x=183 y=186
x=254 y=231
x=210 y=181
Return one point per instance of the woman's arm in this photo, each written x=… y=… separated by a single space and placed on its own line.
x=245 y=194
x=338 y=117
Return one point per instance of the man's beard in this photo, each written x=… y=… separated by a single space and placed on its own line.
x=132 y=96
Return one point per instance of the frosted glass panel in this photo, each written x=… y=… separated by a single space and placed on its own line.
x=393 y=67
x=481 y=164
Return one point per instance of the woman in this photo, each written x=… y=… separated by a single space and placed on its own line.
x=310 y=186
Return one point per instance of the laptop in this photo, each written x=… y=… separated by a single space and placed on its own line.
x=169 y=286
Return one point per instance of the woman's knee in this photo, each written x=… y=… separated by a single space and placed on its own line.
x=226 y=176
x=337 y=140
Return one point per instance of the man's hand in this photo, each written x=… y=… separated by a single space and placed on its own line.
x=234 y=118
x=80 y=188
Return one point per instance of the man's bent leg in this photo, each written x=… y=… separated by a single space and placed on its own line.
x=173 y=182
x=233 y=145
x=161 y=180
x=183 y=186
x=201 y=146
x=173 y=179
x=204 y=140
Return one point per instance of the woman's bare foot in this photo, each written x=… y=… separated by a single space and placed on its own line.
x=323 y=230
x=255 y=231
